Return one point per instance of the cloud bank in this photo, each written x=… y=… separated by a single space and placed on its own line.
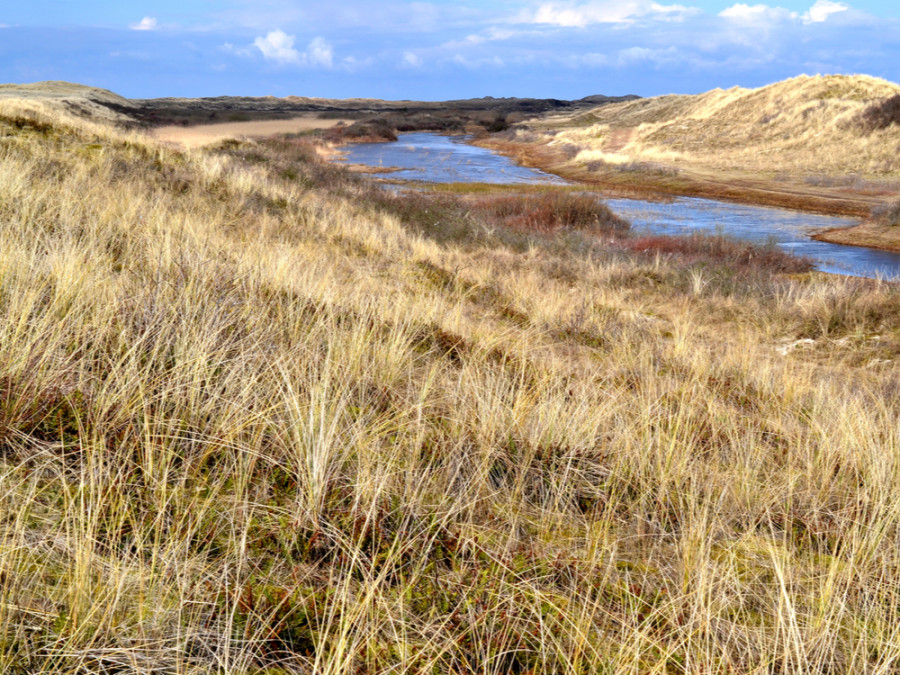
x=434 y=49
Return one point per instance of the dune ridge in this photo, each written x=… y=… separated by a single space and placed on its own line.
x=807 y=124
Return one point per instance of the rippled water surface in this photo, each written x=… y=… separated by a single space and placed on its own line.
x=449 y=159
x=790 y=230
x=444 y=159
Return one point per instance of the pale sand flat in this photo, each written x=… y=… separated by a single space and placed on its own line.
x=206 y=134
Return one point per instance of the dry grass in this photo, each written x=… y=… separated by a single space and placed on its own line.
x=880 y=231
x=68 y=98
x=825 y=124
x=256 y=418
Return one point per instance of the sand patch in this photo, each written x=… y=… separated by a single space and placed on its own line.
x=206 y=134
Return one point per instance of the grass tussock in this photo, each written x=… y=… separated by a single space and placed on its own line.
x=258 y=417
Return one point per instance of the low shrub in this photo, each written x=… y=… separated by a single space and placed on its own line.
x=448 y=122
x=653 y=168
x=364 y=131
x=853 y=182
x=881 y=114
x=498 y=124
x=551 y=211
x=720 y=250
x=889 y=215
x=290 y=158
x=442 y=218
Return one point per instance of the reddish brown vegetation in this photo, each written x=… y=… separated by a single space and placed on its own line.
x=719 y=249
x=552 y=211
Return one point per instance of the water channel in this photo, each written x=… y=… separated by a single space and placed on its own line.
x=449 y=159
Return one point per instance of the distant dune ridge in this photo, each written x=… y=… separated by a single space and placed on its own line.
x=193 y=111
x=827 y=124
x=833 y=124
x=85 y=101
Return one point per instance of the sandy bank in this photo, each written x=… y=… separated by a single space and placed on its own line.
x=198 y=136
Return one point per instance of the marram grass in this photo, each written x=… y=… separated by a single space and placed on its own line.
x=257 y=418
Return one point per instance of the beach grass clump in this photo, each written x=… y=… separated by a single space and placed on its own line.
x=261 y=423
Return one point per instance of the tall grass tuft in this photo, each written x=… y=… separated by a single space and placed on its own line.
x=253 y=420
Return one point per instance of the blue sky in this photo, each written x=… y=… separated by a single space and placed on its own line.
x=437 y=50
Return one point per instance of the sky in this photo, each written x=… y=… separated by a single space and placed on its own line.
x=438 y=50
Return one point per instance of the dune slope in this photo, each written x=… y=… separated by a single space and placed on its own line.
x=813 y=125
x=258 y=416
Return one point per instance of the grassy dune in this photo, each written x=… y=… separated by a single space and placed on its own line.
x=823 y=125
x=829 y=144
x=258 y=416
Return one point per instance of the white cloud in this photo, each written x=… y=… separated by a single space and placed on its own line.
x=147 y=23
x=320 y=53
x=472 y=64
x=675 y=12
x=820 y=11
x=579 y=15
x=411 y=60
x=468 y=41
x=761 y=14
x=278 y=46
x=756 y=14
x=638 y=55
x=351 y=64
x=240 y=51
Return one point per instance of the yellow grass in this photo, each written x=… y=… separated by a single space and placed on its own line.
x=87 y=102
x=806 y=126
x=250 y=421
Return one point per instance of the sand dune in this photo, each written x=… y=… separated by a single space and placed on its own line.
x=810 y=125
